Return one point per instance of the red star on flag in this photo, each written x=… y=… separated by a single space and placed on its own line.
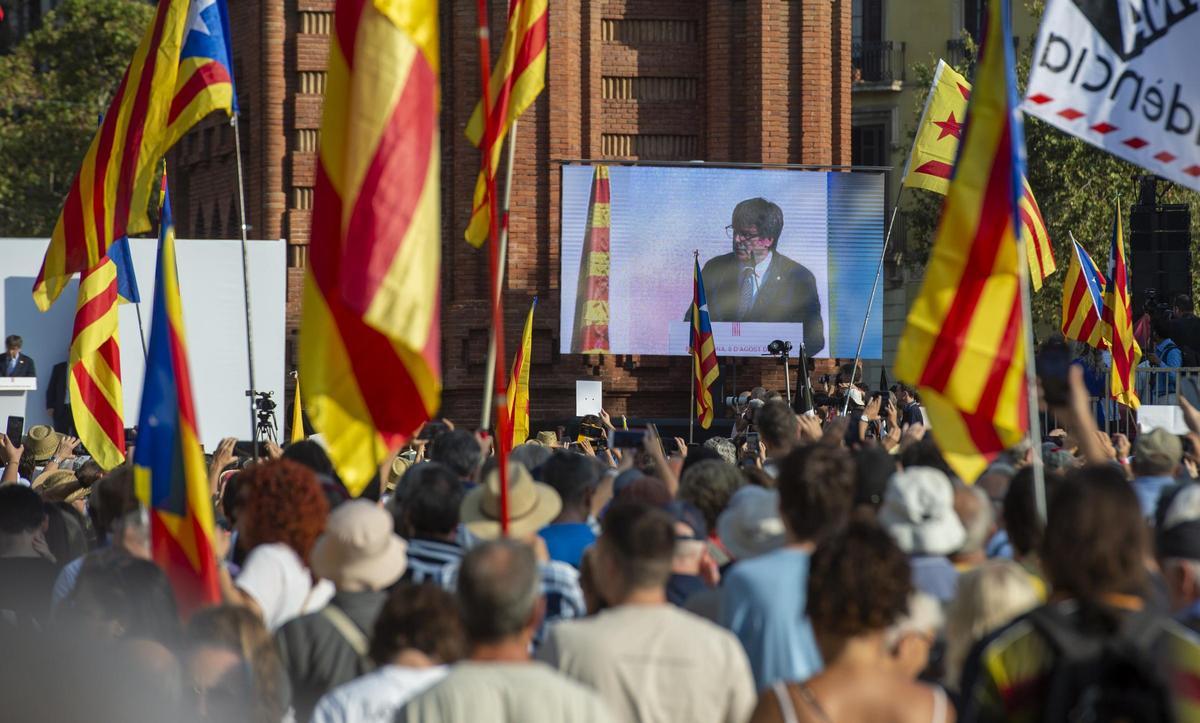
x=950 y=127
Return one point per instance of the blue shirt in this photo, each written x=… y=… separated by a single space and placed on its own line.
x=934 y=575
x=1148 y=490
x=1169 y=355
x=566 y=541
x=762 y=603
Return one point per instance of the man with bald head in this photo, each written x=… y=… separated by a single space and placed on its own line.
x=499 y=592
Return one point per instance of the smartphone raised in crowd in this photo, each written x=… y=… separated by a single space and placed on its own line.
x=626 y=438
x=1053 y=363
x=15 y=430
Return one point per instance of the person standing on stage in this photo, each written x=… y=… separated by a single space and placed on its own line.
x=16 y=364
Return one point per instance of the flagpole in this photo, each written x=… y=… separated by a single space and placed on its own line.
x=489 y=378
x=692 y=392
x=1031 y=392
x=237 y=146
x=499 y=385
x=862 y=334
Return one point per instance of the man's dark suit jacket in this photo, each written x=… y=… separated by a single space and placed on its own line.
x=58 y=400
x=25 y=366
x=787 y=294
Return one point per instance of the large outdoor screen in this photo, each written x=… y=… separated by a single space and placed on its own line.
x=785 y=254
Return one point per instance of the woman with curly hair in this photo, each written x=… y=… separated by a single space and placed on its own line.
x=230 y=638
x=283 y=513
x=858 y=586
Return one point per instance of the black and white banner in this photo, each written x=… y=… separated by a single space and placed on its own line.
x=1123 y=75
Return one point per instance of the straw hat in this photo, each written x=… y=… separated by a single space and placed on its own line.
x=49 y=480
x=531 y=505
x=549 y=439
x=398 y=467
x=40 y=442
x=358 y=550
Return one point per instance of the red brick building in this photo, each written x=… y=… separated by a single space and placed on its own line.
x=653 y=80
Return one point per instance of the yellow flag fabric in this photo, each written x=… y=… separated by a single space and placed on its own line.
x=518 y=390
x=931 y=164
x=1118 y=322
x=517 y=80
x=964 y=346
x=297 y=416
x=370 y=334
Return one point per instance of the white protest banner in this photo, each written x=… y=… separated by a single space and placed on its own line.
x=1122 y=75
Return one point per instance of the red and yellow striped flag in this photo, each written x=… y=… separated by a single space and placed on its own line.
x=704 y=350
x=518 y=389
x=94 y=374
x=1118 y=322
x=590 y=335
x=517 y=80
x=369 y=336
x=1083 y=300
x=108 y=198
x=964 y=343
x=168 y=463
x=931 y=163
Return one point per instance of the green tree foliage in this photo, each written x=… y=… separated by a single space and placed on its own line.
x=1076 y=185
x=53 y=89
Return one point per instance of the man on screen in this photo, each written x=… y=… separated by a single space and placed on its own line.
x=756 y=283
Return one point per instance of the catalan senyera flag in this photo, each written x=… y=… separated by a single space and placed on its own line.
x=205 y=80
x=516 y=81
x=931 y=163
x=1118 y=321
x=109 y=197
x=369 y=336
x=518 y=388
x=168 y=464
x=94 y=366
x=704 y=351
x=1083 y=300
x=964 y=342
x=297 y=415
x=590 y=333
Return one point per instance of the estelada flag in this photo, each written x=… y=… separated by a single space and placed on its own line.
x=1083 y=300
x=518 y=390
x=704 y=350
x=205 y=82
x=109 y=196
x=964 y=343
x=931 y=163
x=369 y=337
x=168 y=464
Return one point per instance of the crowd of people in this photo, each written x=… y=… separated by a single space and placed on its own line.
x=820 y=566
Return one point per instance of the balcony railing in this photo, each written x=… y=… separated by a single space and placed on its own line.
x=957 y=53
x=878 y=62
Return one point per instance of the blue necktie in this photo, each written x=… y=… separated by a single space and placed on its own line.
x=12 y=366
x=746 y=295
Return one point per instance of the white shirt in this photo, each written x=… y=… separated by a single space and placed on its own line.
x=281 y=585
x=376 y=696
x=760 y=270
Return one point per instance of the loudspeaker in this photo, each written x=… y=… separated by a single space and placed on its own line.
x=1160 y=252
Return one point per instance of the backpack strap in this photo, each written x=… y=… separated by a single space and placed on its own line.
x=342 y=623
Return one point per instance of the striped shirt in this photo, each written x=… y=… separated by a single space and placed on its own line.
x=560 y=588
x=428 y=558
